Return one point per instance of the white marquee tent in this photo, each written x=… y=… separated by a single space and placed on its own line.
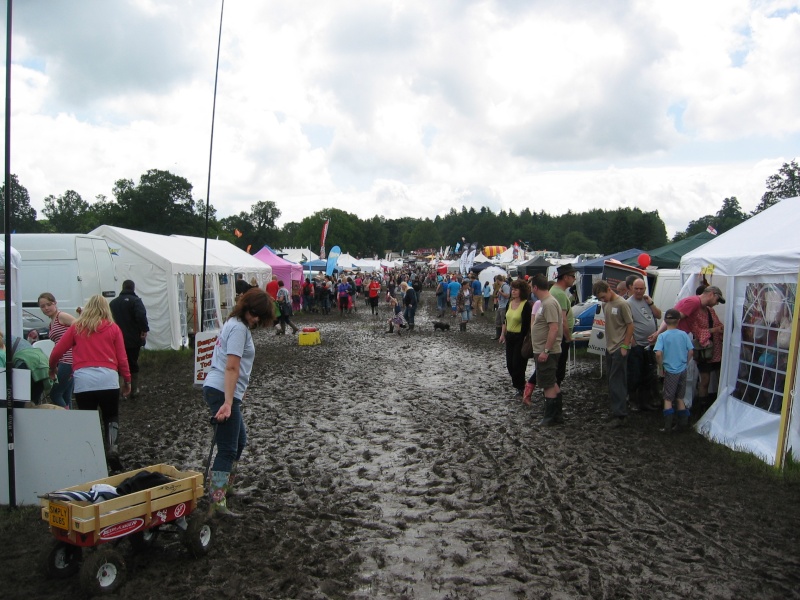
x=759 y=261
x=167 y=272
x=242 y=262
x=298 y=255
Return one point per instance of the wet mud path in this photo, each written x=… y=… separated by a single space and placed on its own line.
x=385 y=466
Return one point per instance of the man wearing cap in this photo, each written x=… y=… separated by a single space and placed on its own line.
x=565 y=279
x=642 y=378
x=619 y=337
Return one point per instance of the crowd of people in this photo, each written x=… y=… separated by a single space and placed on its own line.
x=536 y=322
x=96 y=354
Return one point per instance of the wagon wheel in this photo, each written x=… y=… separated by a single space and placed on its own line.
x=143 y=540
x=198 y=534
x=103 y=572
x=61 y=560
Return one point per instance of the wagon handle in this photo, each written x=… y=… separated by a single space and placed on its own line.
x=210 y=452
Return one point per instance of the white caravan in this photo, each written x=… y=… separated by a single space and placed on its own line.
x=71 y=266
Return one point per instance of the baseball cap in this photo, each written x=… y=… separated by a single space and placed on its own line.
x=717 y=292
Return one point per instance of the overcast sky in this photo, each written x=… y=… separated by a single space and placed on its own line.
x=402 y=108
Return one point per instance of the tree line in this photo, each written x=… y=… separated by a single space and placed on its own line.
x=162 y=202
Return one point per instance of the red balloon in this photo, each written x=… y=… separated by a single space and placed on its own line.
x=644 y=260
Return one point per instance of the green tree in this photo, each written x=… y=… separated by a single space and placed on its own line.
x=161 y=203
x=23 y=215
x=784 y=184
x=576 y=243
x=727 y=217
x=69 y=213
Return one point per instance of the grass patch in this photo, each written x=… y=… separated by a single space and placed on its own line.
x=165 y=358
x=752 y=465
x=11 y=519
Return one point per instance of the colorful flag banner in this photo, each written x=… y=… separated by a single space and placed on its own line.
x=322 y=239
x=332 y=258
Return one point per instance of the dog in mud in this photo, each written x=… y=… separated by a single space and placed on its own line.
x=441 y=326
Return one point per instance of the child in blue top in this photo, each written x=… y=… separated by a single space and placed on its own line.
x=673 y=352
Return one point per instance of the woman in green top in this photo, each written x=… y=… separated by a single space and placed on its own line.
x=517 y=323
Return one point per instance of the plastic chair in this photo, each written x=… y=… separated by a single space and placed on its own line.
x=45 y=346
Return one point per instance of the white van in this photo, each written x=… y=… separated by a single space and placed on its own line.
x=71 y=266
x=666 y=284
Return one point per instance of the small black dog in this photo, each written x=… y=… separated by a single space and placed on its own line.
x=441 y=325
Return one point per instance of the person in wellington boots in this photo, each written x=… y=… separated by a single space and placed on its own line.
x=225 y=388
x=546 y=334
x=99 y=361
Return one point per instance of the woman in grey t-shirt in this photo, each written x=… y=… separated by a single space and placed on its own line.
x=226 y=384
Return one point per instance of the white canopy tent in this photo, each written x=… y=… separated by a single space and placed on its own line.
x=298 y=255
x=242 y=262
x=167 y=272
x=759 y=261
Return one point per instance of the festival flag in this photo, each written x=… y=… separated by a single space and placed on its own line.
x=473 y=249
x=332 y=258
x=516 y=251
x=711 y=230
x=322 y=239
x=237 y=233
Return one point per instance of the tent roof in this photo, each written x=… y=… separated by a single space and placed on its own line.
x=669 y=256
x=170 y=253
x=240 y=260
x=537 y=261
x=267 y=255
x=299 y=255
x=765 y=244
x=596 y=265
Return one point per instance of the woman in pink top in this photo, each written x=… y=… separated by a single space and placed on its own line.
x=61 y=394
x=98 y=361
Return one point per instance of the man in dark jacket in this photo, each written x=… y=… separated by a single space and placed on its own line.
x=129 y=313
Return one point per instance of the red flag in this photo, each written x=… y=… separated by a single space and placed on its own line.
x=322 y=239
x=237 y=233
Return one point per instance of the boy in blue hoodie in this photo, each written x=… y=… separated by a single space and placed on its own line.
x=673 y=352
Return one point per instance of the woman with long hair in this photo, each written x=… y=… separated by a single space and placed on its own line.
x=98 y=361
x=225 y=387
x=61 y=393
x=516 y=324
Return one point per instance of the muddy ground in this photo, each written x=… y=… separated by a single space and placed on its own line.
x=402 y=467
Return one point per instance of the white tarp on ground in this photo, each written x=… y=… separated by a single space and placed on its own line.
x=167 y=272
x=242 y=262
x=759 y=260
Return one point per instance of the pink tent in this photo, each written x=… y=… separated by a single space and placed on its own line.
x=282 y=269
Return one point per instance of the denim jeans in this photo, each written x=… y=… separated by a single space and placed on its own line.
x=61 y=394
x=231 y=434
x=409 y=314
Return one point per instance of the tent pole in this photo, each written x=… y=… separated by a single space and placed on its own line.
x=12 y=493
x=788 y=387
x=208 y=184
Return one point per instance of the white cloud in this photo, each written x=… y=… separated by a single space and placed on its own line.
x=400 y=108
